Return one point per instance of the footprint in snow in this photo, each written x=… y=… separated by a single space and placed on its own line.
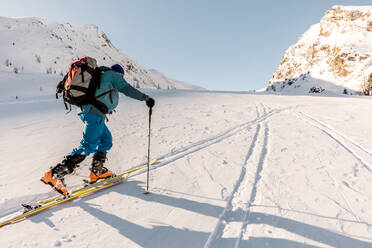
x=65 y=239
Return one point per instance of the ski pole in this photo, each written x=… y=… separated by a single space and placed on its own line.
x=148 y=153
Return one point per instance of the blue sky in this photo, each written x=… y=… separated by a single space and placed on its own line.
x=219 y=45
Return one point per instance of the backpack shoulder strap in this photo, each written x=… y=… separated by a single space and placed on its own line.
x=61 y=85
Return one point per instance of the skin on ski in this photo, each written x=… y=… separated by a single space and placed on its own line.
x=79 y=194
x=100 y=182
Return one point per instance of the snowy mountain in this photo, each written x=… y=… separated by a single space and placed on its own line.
x=334 y=55
x=34 y=45
x=168 y=83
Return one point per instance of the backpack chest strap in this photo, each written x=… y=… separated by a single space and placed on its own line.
x=105 y=93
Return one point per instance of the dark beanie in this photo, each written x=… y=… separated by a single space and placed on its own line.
x=117 y=68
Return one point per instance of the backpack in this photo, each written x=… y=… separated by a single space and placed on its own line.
x=80 y=83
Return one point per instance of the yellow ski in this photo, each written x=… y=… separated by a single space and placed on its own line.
x=79 y=193
x=127 y=172
x=59 y=201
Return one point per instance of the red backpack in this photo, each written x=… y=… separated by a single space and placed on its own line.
x=80 y=83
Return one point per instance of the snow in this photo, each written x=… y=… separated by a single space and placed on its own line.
x=168 y=83
x=36 y=45
x=235 y=169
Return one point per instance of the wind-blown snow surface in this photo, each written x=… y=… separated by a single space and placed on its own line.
x=234 y=170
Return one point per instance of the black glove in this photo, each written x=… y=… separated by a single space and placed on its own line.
x=150 y=102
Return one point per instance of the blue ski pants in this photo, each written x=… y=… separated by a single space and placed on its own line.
x=96 y=136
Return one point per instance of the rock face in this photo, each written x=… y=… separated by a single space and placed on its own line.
x=334 y=54
x=35 y=45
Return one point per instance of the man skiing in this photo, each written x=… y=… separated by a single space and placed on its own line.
x=97 y=139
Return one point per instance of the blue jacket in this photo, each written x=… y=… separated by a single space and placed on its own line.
x=113 y=83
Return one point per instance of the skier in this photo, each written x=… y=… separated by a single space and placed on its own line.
x=97 y=139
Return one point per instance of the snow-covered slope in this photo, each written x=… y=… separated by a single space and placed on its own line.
x=334 y=54
x=168 y=83
x=234 y=170
x=43 y=46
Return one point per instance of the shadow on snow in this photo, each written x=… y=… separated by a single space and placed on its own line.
x=169 y=236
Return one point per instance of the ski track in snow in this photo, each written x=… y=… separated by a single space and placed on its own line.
x=339 y=138
x=337 y=132
x=177 y=154
x=238 y=204
x=163 y=160
x=342 y=140
x=238 y=207
x=254 y=188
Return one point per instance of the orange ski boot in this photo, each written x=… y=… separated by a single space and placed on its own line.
x=56 y=182
x=55 y=176
x=97 y=171
x=48 y=178
x=104 y=173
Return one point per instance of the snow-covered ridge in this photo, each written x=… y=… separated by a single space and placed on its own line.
x=169 y=83
x=44 y=46
x=336 y=52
